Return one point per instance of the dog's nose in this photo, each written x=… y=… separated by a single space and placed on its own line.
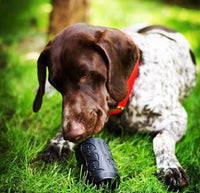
x=73 y=131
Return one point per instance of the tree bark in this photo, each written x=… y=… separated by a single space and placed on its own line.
x=66 y=12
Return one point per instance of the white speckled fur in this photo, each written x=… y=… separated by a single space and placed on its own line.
x=166 y=76
x=58 y=148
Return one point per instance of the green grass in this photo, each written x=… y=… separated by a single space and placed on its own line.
x=23 y=134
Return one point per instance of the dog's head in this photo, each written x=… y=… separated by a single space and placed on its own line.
x=89 y=66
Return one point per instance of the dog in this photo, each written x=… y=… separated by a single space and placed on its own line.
x=150 y=69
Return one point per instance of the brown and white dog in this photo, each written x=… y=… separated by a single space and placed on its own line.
x=90 y=66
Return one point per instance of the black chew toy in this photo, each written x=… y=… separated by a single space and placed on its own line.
x=95 y=156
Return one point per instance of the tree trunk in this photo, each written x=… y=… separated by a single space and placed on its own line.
x=66 y=12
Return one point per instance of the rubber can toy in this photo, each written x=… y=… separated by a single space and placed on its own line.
x=98 y=163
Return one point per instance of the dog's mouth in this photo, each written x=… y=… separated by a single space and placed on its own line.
x=77 y=130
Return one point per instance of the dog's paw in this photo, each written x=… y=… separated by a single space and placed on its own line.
x=175 y=178
x=57 y=150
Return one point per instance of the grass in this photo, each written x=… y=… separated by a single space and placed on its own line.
x=23 y=134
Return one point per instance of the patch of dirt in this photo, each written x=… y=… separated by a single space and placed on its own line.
x=34 y=43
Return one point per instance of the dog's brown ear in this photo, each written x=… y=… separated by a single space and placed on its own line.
x=121 y=55
x=42 y=63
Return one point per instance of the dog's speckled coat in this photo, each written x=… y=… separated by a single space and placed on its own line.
x=167 y=75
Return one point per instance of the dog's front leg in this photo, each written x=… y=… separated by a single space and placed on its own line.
x=57 y=148
x=172 y=126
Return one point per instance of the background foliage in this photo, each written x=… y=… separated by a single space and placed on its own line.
x=23 y=134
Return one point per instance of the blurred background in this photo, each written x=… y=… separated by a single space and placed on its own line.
x=26 y=26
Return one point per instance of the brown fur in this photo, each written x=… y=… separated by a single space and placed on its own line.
x=85 y=64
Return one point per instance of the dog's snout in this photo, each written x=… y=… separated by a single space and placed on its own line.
x=73 y=131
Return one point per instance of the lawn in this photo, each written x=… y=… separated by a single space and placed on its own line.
x=24 y=134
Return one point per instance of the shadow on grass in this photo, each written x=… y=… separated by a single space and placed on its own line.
x=7 y=102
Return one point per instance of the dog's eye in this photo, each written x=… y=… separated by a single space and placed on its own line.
x=84 y=77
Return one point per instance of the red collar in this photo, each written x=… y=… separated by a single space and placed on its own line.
x=121 y=105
